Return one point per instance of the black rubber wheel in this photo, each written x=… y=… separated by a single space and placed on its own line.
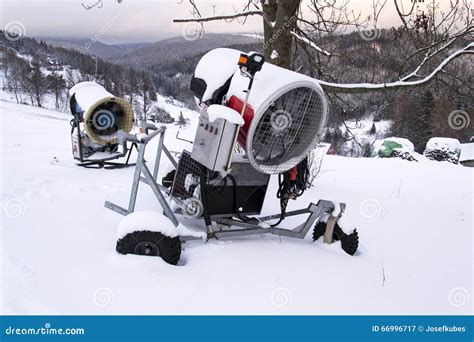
x=349 y=243
x=320 y=229
x=167 y=181
x=151 y=244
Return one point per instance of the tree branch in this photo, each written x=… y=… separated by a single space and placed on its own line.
x=310 y=43
x=219 y=17
x=368 y=87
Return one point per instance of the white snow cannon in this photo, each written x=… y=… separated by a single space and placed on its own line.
x=277 y=116
x=284 y=112
x=99 y=116
x=104 y=114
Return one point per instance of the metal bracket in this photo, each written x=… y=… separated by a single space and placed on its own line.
x=315 y=211
x=331 y=223
x=143 y=174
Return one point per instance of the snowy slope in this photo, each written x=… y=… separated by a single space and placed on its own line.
x=58 y=241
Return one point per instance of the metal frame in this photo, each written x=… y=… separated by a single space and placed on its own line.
x=88 y=163
x=255 y=227
x=252 y=227
x=142 y=169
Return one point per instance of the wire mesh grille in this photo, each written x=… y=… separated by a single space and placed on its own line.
x=103 y=121
x=187 y=179
x=287 y=130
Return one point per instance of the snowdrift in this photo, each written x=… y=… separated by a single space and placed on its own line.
x=58 y=257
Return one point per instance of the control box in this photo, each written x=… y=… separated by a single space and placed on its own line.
x=214 y=143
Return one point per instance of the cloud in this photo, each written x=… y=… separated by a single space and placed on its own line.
x=138 y=20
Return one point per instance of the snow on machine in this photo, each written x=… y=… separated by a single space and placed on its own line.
x=98 y=117
x=256 y=120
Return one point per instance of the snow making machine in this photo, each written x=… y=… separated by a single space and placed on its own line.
x=257 y=120
x=98 y=116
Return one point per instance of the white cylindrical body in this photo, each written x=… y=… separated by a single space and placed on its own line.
x=285 y=114
x=103 y=113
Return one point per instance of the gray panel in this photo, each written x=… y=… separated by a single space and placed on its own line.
x=213 y=143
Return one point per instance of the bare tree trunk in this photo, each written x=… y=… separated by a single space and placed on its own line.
x=270 y=8
x=57 y=94
x=280 y=20
x=15 y=89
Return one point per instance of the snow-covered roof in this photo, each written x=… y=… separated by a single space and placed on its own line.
x=467 y=152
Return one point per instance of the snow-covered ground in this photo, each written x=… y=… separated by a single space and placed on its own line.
x=58 y=241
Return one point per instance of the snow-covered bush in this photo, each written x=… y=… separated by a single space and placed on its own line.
x=394 y=148
x=443 y=149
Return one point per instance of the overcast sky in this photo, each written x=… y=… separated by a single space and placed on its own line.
x=132 y=20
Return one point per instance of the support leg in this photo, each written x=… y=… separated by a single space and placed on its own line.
x=161 y=199
x=136 y=178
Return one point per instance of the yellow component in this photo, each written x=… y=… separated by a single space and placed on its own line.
x=122 y=116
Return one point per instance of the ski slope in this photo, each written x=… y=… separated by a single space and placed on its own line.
x=58 y=241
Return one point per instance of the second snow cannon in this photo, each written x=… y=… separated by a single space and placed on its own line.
x=99 y=116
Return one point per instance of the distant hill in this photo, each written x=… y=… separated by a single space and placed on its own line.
x=178 y=48
x=150 y=54
x=87 y=46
